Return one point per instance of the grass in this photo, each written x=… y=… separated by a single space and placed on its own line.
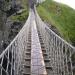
x=22 y=17
x=61 y=16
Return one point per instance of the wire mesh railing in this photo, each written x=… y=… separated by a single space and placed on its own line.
x=11 y=58
x=60 y=53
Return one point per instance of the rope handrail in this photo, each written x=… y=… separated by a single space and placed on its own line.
x=49 y=30
x=11 y=57
x=60 y=52
x=14 y=39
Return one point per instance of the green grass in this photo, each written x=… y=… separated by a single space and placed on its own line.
x=22 y=17
x=61 y=16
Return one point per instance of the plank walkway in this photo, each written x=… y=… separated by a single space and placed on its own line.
x=37 y=60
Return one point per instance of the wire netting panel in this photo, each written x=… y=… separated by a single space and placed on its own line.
x=11 y=58
x=60 y=53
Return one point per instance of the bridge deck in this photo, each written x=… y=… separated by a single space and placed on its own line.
x=37 y=60
x=37 y=50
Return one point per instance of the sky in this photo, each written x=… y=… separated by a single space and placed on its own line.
x=70 y=3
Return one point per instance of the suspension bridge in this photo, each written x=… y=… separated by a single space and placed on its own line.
x=37 y=50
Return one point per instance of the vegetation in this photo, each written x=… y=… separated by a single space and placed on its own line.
x=60 y=16
x=22 y=16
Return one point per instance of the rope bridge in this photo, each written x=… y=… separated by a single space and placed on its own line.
x=57 y=56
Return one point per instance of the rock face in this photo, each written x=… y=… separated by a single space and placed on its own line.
x=6 y=23
x=4 y=6
x=2 y=27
